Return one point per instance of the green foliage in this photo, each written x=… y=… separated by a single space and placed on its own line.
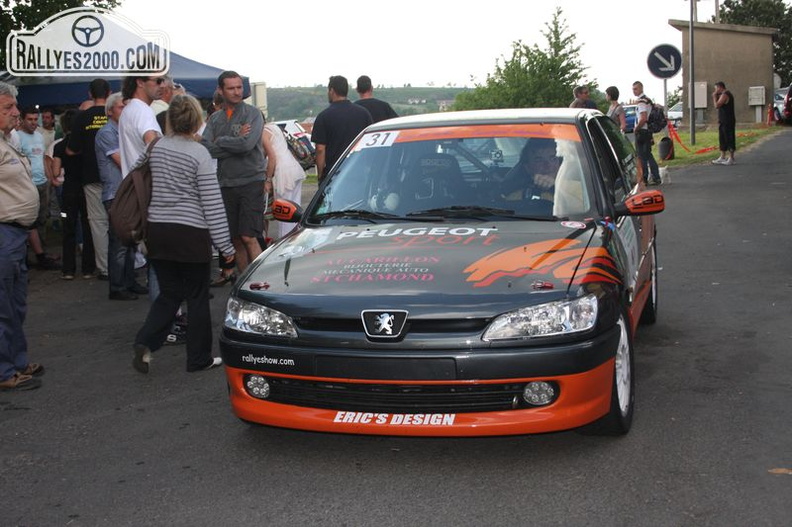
x=27 y=14
x=532 y=77
x=674 y=97
x=765 y=13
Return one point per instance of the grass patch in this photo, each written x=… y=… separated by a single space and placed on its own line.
x=706 y=147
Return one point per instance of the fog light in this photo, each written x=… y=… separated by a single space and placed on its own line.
x=540 y=393
x=257 y=386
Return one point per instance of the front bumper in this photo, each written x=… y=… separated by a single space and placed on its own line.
x=582 y=371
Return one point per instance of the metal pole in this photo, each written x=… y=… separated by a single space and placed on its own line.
x=691 y=75
x=665 y=100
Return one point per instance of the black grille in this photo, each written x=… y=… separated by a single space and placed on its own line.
x=412 y=326
x=401 y=398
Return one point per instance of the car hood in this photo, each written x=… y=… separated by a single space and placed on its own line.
x=323 y=269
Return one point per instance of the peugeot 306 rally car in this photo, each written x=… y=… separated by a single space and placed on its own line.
x=456 y=274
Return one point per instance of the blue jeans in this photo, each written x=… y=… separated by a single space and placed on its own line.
x=13 y=300
x=120 y=260
x=153 y=283
x=643 y=146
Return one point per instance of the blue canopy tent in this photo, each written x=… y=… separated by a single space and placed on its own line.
x=198 y=79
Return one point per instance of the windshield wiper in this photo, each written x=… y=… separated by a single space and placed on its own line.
x=456 y=211
x=354 y=213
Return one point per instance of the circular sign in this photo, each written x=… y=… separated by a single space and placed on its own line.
x=664 y=61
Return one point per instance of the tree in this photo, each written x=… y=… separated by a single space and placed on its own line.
x=765 y=13
x=532 y=77
x=674 y=97
x=26 y=14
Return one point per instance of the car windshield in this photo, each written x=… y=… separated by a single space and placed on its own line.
x=478 y=173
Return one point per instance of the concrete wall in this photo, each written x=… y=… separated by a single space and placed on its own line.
x=740 y=56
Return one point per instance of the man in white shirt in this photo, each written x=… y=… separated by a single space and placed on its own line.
x=138 y=125
x=643 y=137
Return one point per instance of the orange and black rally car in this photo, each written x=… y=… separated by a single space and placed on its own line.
x=456 y=274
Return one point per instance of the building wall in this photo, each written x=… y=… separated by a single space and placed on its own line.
x=740 y=56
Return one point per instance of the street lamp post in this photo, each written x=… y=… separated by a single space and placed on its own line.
x=691 y=75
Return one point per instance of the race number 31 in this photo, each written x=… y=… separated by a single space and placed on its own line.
x=377 y=139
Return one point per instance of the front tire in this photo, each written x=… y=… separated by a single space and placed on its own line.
x=649 y=313
x=619 y=418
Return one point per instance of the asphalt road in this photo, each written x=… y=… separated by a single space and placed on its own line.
x=711 y=445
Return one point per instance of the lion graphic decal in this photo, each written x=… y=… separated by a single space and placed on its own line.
x=558 y=258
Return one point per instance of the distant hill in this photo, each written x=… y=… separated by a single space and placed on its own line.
x=305 y=103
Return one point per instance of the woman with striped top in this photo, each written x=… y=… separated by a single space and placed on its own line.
x=186 y=217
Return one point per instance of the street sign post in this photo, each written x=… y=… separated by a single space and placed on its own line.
x=664 y=61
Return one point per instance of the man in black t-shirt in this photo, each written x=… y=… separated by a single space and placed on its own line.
x=73 y=211
x=379 y=110
x=337 y=125
x=81 y=143
x=723 y=100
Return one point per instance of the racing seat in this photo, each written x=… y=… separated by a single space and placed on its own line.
x=430 y=182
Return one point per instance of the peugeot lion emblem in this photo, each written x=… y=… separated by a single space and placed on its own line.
x=384 y=323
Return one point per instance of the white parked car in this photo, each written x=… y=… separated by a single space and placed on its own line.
x=294 y=128
x=779 y=97
x=675 y=114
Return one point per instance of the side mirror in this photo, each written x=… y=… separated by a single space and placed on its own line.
x=286 y=210
x=641 y=204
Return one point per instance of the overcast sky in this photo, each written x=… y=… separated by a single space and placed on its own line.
x=423 y=43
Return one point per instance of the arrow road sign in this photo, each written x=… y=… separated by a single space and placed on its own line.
x=664 y=61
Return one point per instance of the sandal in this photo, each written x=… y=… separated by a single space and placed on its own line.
x=20 y=382
x=33 y=369
x=223 y=279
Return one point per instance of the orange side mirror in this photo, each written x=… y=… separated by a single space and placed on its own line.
x=642 y=203
x=286 y=210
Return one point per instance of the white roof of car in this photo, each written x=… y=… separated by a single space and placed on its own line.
x=486 y=116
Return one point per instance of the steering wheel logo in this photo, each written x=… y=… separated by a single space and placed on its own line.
x=87 y=31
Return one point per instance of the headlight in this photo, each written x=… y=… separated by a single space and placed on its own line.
x=254 y=318
x=554 y=318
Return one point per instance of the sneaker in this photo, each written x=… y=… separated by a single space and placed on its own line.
x=181 y=321
x=142 y=358
x=223 y=279
x=216 y=361
x=729 y=161
x=88 y=276
x=33 y=369
x=175 y=338
x=719 y=161
x=122 y=295
x=66 y=276
x=103 y=277
x=19 y=382
x=657 y=182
